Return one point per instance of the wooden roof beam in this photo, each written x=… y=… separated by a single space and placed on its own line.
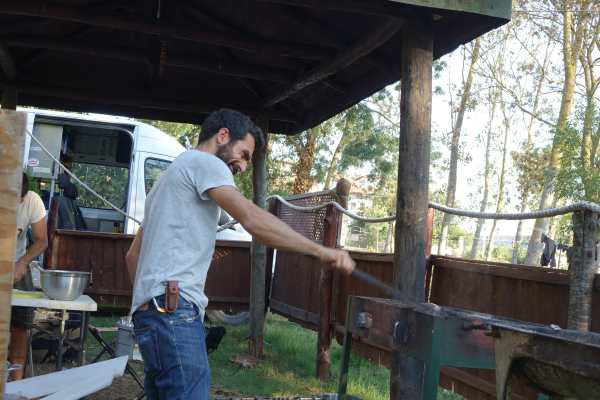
x=79 y=15
x=141 y=100
x=365 y=46
x=379 y=9
x=134 y=56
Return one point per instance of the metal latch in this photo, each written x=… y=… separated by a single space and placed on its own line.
x=400 y=332
x=364 y=320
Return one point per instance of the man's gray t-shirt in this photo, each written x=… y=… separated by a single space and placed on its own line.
x=180 y=222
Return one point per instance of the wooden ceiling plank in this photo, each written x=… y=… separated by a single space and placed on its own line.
x=224 y=39
x=365 y=46
x=132 y=55
x=143 y=100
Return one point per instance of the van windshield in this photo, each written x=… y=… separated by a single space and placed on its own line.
x=110 y=182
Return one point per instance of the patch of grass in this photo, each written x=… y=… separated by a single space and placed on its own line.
x=289 y=367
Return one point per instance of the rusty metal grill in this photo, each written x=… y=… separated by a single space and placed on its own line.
x=309 y=224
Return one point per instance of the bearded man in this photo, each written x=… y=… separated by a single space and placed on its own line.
x=173 y=248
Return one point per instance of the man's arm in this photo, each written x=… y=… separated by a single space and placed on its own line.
x=40 y=243
x=271 y=231
x=131 y=258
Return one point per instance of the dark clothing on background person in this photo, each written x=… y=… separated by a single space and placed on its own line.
x=549 y=252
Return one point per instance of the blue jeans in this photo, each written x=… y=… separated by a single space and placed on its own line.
x=174 y=351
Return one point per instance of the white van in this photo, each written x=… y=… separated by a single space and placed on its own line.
x=120 y=158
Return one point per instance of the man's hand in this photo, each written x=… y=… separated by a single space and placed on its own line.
x=338 y=259
x=20 y=270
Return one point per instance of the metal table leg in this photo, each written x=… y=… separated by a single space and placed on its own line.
x=31 y=372
x=106 y=348
x=82 y=335
x=61 y=338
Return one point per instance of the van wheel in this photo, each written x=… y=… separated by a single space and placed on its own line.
x=220 y=316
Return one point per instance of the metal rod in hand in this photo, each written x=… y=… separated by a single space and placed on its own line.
x=371 y=280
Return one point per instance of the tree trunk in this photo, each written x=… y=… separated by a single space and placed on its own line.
x=571 y=48
x=454 y=147
x=387 y=247
x=500 y=203
x=528 y=147
x=337 y=153
x=588 y=63
x=306 y=159
x=584 y=265
x=487 y=177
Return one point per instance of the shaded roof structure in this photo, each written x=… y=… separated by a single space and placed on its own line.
x=296 y=62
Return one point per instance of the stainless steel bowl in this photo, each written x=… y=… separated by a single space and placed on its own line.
x=63 y=285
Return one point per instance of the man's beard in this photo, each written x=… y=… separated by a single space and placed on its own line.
x=224 y=153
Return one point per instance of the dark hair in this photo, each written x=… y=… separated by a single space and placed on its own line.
x=239 y=126
x=24 y=185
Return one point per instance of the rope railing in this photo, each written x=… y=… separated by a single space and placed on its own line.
x=550 y=212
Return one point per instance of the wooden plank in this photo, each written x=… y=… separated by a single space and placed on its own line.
x=412 y=194
x=136 y=100
x=134 y=56
x=190 y=33
x=493 y=8
x=258 y=254
x=12 y=134
x=522 y=272
x=90 y=234
x=297 y=313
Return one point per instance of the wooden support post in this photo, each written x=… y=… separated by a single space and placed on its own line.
x=12 y=134
x=258 y=252
x=406 y=378
x=584 y=265
x=333 y=219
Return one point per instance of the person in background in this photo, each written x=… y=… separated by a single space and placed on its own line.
x=30 y=214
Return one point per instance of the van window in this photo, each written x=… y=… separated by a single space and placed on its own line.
x=153 y=169
x=110 y=182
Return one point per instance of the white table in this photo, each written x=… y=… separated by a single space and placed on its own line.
x=84 y=304
x=70 y=384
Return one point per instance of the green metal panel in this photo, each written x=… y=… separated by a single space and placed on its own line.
x=492 y=8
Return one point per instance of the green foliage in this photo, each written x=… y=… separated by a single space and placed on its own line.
x=573 y=173
x=177 y=130
x=110 y=182
x=530 y=164
x=502 y=253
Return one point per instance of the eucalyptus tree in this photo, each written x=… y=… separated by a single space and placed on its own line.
x=568 y=26
x=472 y=54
